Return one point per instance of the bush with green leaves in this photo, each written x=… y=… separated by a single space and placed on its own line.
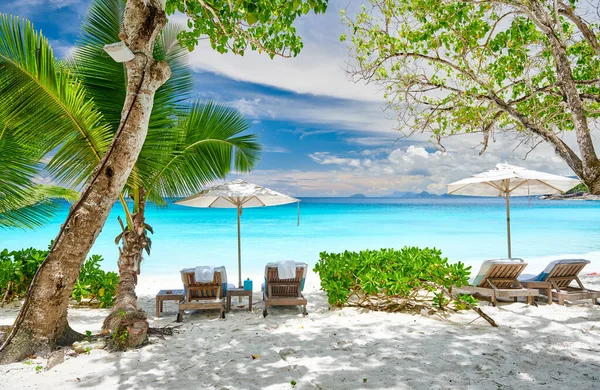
x=17 y=268
x=95 y=284
x=393 y=280
x=16 y=271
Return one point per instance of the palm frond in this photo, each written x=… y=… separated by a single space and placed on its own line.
x=210 y=139
x=42 y=102
x=24 y=204
x=105 y=80
x=35 y=207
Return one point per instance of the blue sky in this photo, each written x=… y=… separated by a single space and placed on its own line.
x=323 y=135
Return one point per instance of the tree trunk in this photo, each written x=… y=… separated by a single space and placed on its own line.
x=590 y=162
x=42 y=319
x=128 y=323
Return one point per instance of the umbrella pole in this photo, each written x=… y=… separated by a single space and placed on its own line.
x=239 y=212
x=507 y=195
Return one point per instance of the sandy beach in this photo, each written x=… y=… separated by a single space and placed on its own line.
x=548 y=347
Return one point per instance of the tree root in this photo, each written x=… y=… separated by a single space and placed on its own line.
x=168 y=330
x=128 y=329
x=69 y=336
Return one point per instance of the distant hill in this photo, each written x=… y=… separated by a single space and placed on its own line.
x=408 y=194
x=358 y=196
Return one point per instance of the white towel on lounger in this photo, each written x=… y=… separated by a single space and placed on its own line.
x=204 y=274
x=286 y=269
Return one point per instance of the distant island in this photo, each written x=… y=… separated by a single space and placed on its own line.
x=358 y=196
x=408 y=194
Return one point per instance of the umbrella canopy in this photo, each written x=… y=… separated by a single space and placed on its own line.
x=238 y=194
x=508 y=180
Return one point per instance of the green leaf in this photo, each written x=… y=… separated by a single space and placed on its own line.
x=251 y=18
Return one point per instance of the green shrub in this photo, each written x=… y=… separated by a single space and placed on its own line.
x=17 y=268
x=95 y=284
x=16 y=271
x=390 y=279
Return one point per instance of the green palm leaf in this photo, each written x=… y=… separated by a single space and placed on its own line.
x=41 y=101
x=24 y=204
x=105 y=80
x=36 y=207
x=210 y=140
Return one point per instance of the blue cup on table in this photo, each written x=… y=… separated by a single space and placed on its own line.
x=247 y=285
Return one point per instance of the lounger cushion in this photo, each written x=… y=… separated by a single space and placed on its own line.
x=275 y=265
x=541 y=277
x=486 y=265
x=220 y=269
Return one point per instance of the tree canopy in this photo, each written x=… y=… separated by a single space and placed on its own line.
x=235 y=25
x=451 y=66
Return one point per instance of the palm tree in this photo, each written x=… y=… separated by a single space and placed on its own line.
x=205 y=141
x=188 y=145
x=42 y=105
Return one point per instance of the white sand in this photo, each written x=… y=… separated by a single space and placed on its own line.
x=549 y=347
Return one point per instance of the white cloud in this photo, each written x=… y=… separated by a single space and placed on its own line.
x=411 y=168
x=318 y=69
x=325 y=158
x=274 y=149
x=337 y=113
x=62 y=49
x=372 y=141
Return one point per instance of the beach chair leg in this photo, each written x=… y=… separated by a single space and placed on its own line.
x=222 y=313
x=179 y=316
x=529 y=300
x=561 y=300
x=549 y=292
x=493 y=298
x=157 y=307
x=304 y=313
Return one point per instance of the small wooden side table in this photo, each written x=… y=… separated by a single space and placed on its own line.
x=239 y=292
x=544 y=288
x=167 y=295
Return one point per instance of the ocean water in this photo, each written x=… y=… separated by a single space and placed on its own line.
x=465 y=229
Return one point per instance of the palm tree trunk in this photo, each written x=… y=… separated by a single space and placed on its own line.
x=42 y=319
x=126 y=319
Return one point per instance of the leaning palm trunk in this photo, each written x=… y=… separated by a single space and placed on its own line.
x=42 y=319
x=128 y=323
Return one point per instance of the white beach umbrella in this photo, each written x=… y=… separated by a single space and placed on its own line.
x=508 y=180
x=238 y=194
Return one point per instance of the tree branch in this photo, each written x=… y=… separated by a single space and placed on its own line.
x=582 y=25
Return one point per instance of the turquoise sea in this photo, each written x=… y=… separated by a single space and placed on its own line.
x=465 y=229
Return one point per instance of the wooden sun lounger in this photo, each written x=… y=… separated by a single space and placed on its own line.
x=557 y=284
x=283 y=292
x=500 y=281
x=201 y=296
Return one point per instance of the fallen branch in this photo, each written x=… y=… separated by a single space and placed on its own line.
x=477 y=310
